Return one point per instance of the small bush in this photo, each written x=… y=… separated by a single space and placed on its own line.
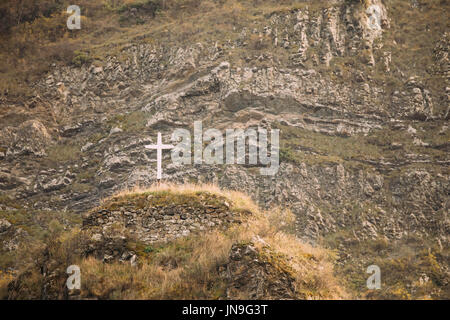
x=81 y=58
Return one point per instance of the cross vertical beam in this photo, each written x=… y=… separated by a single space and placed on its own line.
x=159 y=146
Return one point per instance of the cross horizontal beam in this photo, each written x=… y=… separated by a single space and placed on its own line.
x=159 y=146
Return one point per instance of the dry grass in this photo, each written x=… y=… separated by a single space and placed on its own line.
x=5 y=278
x=239 y=201
x=187 y=268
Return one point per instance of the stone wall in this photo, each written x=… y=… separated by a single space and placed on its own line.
x=154 y=223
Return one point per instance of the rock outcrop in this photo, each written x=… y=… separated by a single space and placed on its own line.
x=260 y=272
x=359 y=91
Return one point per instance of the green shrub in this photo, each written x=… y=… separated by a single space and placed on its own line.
x=81 y=58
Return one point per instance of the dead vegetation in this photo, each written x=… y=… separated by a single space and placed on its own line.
x=189 y=267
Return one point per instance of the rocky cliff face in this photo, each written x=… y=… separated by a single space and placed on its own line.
x=359 y=91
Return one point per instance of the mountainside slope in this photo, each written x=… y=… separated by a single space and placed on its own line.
x=360 y=95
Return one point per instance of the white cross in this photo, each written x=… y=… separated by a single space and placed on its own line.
x=159 y=147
